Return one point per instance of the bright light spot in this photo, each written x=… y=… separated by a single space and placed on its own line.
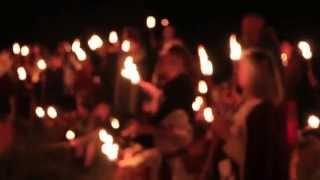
x=202 y=87
x=284 y=59
x=130 y=71
x=113 y=37
x=313 y=122
x=52 y=112
x=111 y=151
x=95 y=42
x=41 y=64
x=105 y=137
x=165 y=22
x=70 y=135
x=235 y=48
x=75 y=45
x=40 y=113
x=206 y=66
x=115 y=123
x=125 y=46
x=151 y=22
x=16 y=48
x=198 y=102
x=81 y=54
x=208 y=115
x=305 y=50
x=25 y=50
x=22 y=73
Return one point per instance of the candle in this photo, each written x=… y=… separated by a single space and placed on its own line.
x=313 y=122
x=206 y=66
x=105 y=137
x=113 y=37
x=22 y=73
x=115 y=123
x=125 y=46
x=130 y=71
x=208 y=115
x=52 y=112
x=75 y=45
x=151 y=22
x=111 y=151
x=284 y=59
x=25 y=50
x=305 y=50
x=39 y=111
x=70 y=135
x=165 y=22
x=202 y=87
x=95 y=42
x=16 y=48
x=41 y=64
x=197 y=104
x=235 y=48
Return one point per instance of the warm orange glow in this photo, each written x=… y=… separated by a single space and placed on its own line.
x=95 y=42
x=16 y=48
x=115 y=123
x=151 y=22
x=165 y=22
x=22 y=73
x=113 y=37
x=130 y=71
x=305 y=50
x=235 y=48
x=202 y=87
x=25 y=50
x=208 y=115
x=41 y=64
x=197 y=103
x=75 y=45
x=206 y=66
x=125 y=46
x=52 y=112
x=111 y=151
x=313 y=122
x=70 y=135
x=105 y=137
x=284 y=59
x=39 y=111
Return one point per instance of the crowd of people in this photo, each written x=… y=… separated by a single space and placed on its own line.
x=255 y=112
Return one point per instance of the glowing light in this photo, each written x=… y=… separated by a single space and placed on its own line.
x=208 y=115
x=284 y=59
x=115 y=123
x=70 y=135
x=151 y=22
x=125 y=46
x=313 y=122
x=305 y=50
x=41 y=64
x=25 y=50
x=95 y=42
x=22 y=73
x=39 y=111
x=202 y=87
x=113 y=37
x=206 y=66
x=105 y=137
x=81 y=54
x=235 y=48
x=198 y=102
x=52 y=112
x=75 y=45
x=16 y=48
x=130 y=71
x=111 y=151
x=165 y=22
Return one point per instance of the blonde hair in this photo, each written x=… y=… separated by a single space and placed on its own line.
x=267 y=79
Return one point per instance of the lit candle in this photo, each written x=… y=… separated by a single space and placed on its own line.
x=25 y=50
x=284 y=59
x=206 y=66
x=151 y=22
x=39 y=111
x=208 y=115
x=41 y=64
x=22 y=73
x=95 y=42
x=130 y=71
x=52 y=112
x=165 y=22
x=305 y=50
x=70 y=135
x=115 y=123
x=111 y=151
x=16 y=48
x=197 y=104
x=125 y=46
x=75 y=45
x=113 y=37
x=313 y=122
x=235 y=48
x=105 y=137
x=202 y=87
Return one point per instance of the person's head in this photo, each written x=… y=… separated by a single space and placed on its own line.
x=259 y=77
x=252 y=26
x=168 y=33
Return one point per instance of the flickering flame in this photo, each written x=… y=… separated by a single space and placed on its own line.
x=115 y=123
x=130 y=71
x=41 y=64
x=95 y=42
x=284 y=59
x=113 y=37
x=22 y=73
x=70 y=135
x=206 y=66
x=75 y=45
x=313 y=122
x=235 y=48
x=202 y=87
x=111 y=151
x=25 y=50
x=39 y=111
x=105 y=137
x=165 y=22
x=208 y=115
x=52 y=112
x=16 y=48
x=305 y=50
x=125 y=46
x=151 y=22
x=198 y=102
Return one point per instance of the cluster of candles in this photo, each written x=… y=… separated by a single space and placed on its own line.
x=51 y=112
x=108 y=148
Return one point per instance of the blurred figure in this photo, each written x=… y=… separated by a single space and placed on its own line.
x=169 y=39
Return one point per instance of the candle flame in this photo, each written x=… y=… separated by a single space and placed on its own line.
x=95 y=42
x=113 y=37
x=151 y=22
x=235 y=48
x=130 y=71
x=75 y=45
x=39 y=111
x=165 y=22
x=313 y=122
x=208 y=115
x=202 y=87
x=284 y=59
x=41 y=64
x=52 y=112
x=25 y=50
x=125 y=46
x=105 y=137
x=70 y=135
x=206 y=66
x=22 y=73
x=115 y=123
x=305 y=50
x=16 y=48
x=198 y=102
x=111 y=151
